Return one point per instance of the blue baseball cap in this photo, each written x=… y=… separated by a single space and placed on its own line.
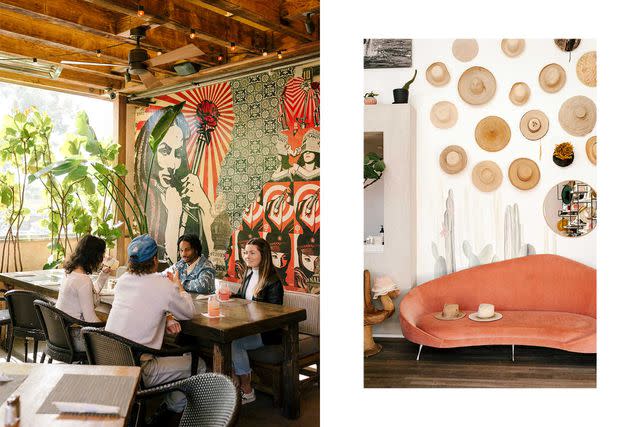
x=142 y=248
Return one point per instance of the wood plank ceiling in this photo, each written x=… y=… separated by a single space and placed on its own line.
x=233 y=35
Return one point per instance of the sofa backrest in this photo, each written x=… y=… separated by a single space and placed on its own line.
x=535 y=282
x=310 y=302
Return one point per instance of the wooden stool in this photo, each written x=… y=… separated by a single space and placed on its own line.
x=373 y=316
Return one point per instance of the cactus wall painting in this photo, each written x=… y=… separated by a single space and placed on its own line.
x=485 y=256
x=446 y=264
x=513 y=245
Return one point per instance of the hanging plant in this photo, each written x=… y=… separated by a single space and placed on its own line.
x=373 y=168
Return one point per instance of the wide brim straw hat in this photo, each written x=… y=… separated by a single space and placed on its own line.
x=486 y=176
x=590 y=148
x=534 y=125
x=552 y=78
x=492 y=133
x=465 y=49
x=444 y=115
x=438 y=74
x=476 y=86
x=577 y=115
x=512 y=47
x=524 y=173
x=586 y=69
x=441 y=315
x=453 y=159
x=519 y=93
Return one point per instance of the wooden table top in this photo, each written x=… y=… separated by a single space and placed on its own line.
x=41 y=380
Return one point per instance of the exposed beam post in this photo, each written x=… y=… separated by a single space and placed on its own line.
x=120 y=134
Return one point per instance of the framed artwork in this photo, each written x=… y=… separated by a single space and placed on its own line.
x=387 y=53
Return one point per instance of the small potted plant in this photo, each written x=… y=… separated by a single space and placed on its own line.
x=370 y=98
x=563 y=154
x=401 y=96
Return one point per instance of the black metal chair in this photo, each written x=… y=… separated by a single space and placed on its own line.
x=212 y=400
x=24 y=321
x=5 y=319
x=57 y=326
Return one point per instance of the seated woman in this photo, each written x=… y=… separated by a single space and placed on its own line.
x=196 y=272
x=260 y=282
x=78 y=295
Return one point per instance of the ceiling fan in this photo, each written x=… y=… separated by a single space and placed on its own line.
x=139 y=60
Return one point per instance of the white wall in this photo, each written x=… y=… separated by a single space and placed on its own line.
x=479 y=217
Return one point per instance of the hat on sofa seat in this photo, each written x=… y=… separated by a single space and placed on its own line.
x=450 y=312
x=485 y=313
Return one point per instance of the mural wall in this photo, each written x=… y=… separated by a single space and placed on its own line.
x=242 y=160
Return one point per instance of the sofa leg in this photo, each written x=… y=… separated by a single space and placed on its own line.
x=513 y=353
x=419 y=350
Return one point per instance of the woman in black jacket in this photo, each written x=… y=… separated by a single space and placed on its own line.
x=261 y=283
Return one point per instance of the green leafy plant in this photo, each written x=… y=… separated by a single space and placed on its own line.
x=371 y=95
x=407 y=84
x=373 y=168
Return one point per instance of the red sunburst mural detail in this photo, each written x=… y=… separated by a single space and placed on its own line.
x=300 y=104
x=209 y=112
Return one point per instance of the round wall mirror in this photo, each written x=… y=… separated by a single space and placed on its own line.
x=570 y=208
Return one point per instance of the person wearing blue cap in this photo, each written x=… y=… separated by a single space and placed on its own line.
x=142 y=300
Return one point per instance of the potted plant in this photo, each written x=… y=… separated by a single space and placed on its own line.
x=563 y=154
x=401 y=96
x=373 y=168
x=370 y=98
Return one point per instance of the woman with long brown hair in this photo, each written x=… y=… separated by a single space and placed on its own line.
x=261 y=283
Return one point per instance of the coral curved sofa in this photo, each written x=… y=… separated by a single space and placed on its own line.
x=545 y=300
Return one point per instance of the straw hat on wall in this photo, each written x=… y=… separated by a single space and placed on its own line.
x=519 y=93
x=492 y=133
x=437 y=74
x=453 y=159
x=586 y=69
x=512 y=47
x=534 y=125
x=465 y=49
x=486 y=176
x=590 y=148
x=444 y=115
x=524 y=173
x=577 y=115
x=476 y=86
x=552 y=78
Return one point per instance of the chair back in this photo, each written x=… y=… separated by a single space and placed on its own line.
x=55 y=324
x=105 y=348
x=23 y=314
x=212 y=400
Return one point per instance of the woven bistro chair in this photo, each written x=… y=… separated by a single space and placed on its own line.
x=212 y=400
x=57 y=327
x=5 y=319
x=24 y=321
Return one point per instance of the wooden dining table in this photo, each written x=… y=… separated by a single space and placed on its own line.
x=41 y=380
x=239 y=318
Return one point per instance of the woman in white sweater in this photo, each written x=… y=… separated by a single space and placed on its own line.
x=78 y=295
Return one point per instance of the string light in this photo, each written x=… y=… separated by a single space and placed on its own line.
x=233 y=46
x=220 y=57
x=264 y=52
x=98 y=53
x=279 y=54
x=192 y=34
x=159 y=53
x=140 y=10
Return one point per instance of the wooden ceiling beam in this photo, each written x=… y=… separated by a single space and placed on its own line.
x=262 y=14
x=41 y=83
x=295 y=9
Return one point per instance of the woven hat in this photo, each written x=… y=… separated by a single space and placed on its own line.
x=437 y=74
x=512 y=47
x=485 y=313
x=465 y=49
x=552 y=78
x=586 y=69
x=519 y=93
x=590 y=147
x=477 y=86
x=492 y=133
x=486 y=176
x=450 y=312
x=453 y=159
x=444 y=114
x=567 y=45
x=524 y=173
x=534 y=125
x=577 y=115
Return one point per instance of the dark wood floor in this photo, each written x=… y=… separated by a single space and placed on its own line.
x=482 y=366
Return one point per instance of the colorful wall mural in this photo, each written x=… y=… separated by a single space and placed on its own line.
x=242 y=160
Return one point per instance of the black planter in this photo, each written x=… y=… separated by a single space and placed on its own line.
x=563 y=162
x=400 y=96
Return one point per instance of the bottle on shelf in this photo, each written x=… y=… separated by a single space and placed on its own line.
x=382 y=233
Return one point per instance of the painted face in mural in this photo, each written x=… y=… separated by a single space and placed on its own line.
x=170 y=155
x=309 y=157
x=251 y=256
x=310 y=261
x=280 y=259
